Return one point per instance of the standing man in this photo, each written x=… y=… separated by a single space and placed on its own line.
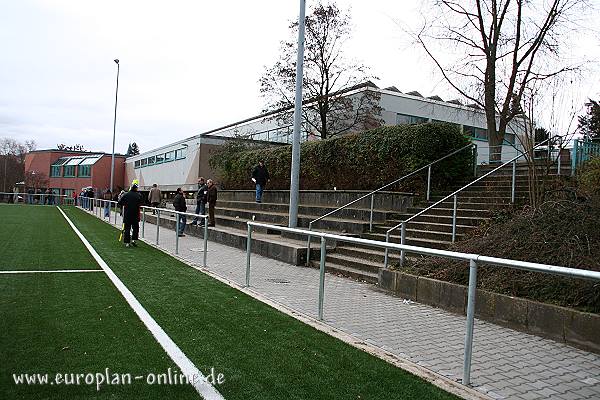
x=260 y=176
x=180 y=205
x=131 y=203
x=154 y=197
x=200 y=201
x=107 y=196
x=211 y=198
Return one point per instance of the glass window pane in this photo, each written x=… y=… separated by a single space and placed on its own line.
x=160 y=158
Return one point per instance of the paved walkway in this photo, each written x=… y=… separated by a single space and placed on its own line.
x=506 y=363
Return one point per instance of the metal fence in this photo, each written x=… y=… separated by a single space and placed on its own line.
x=103 y=208
x=582 y=151
x=37 y=198
x=474 y=260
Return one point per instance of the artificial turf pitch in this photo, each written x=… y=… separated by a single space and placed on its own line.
x=78 y=322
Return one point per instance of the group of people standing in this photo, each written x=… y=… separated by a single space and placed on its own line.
x=206 y=194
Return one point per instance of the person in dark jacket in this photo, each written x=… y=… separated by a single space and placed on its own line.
x=131 y=203
x=211 y=199
x=180 y=205
x=260 y=176
x=201 y=200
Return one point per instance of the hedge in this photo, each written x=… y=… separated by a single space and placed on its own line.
x=360 y=161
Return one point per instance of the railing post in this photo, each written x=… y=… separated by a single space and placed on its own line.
x=470 y=322
x=205 y=240
x=402 y=241
x=574 y=157
x=116 y=207
x=143 y=220
x=387 y=240
x=322 y=277
x=157 y=225
x=371 y=216
x=308 y=245
x=514 y=182
x=176 y=232
x=474 y=160
x=428 y=182
x=248 y=252
x=558 y=160
x=454 y=218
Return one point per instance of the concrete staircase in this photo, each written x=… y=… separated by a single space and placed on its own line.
x=432 y=229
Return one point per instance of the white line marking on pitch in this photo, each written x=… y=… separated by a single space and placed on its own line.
x=50 y=272
x=186 y=366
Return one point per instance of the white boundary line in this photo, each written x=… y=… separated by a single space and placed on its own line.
x=206 y=390
x=50 y=272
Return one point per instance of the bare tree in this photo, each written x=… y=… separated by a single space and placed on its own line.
x=496 y=49
x=12 y=160
x=336 y=94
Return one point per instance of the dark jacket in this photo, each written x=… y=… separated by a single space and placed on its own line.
x=261 y=175
x=202 y=193
x=131 y=201
x=211 y=196
x=179 y=203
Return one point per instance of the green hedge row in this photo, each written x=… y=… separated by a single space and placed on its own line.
x=361 y=161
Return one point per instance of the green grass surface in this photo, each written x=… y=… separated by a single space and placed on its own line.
x=39 y=238
x=264 y=354
x=76 y=323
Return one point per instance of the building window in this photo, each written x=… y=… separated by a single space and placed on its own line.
x=69 y=171
x=170 y=156
x=402 y=119
x=143 y=162
x=476 y=133
x=151 y=160
x=160 y=158
x=84 y=171
x=180 y=153
x=68 y=192
x=509 y=138
x=55 y=171
x=137 y=164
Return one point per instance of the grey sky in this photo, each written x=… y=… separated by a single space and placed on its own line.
x=186 y=66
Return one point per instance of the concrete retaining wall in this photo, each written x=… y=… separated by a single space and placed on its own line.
x=562 y=324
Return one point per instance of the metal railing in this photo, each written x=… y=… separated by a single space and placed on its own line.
x=474 y=260
x=372 y=193
x=454 y=196
x=36 y=198
x=582 y=151
x=100 y=208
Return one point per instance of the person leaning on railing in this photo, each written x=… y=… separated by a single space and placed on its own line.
x=180 y=205
x=200 y=200
x=107 y=196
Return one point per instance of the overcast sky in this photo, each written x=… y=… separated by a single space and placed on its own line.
x=186 y=66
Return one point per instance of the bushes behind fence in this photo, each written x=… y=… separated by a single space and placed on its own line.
x=361 y=161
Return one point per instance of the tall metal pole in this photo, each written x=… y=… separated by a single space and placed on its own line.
x=112 y=160
x=295 y=173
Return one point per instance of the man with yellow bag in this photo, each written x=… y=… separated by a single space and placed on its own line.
x=131 y=203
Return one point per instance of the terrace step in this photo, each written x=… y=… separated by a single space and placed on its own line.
x=349 y=272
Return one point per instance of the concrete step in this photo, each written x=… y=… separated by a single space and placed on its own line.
x=416 y=241
x=498 y=200
x=464 y=210
x=429 y=226
x=273 y=246
x=441 y=219
x=313 y=211
x=349 y=272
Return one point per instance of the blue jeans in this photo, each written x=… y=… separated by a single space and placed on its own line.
x=259 y=192
x=182 y=222
x=107 y=210
x=200 y=210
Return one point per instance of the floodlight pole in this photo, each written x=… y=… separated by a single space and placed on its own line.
x=295 y=173
x=112 y=160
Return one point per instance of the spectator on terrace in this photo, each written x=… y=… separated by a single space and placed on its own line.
x=181 y=206
x=200 y=200
x=260 y=176
x=154 y=197
x=131 y=203
x=211 y=198
x=107 y=196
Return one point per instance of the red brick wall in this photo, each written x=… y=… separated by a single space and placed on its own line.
x=40 y=161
